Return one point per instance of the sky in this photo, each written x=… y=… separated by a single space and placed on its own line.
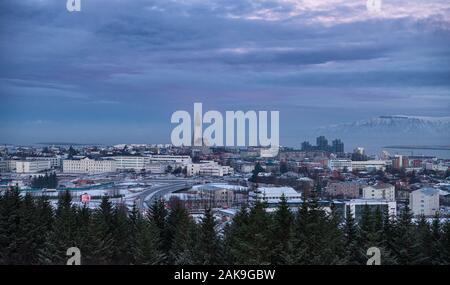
x=117 y=70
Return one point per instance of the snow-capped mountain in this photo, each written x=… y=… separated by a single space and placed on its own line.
x=397 y=124
x=391 y=130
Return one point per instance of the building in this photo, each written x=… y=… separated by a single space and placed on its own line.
x=268 y=152
x=343 y=190
x=208 y=168
x=222 y=195
x=152 y=163
x=400 y=162
x=322 y=143
x=356 y=207
x=306 y=146
x=32 y=166
x=55 y=161
x=247 y=168
x=340 y=164
x=436 y=167
x=136 y=163
x=8 y=165
x=424 y=201
x=156 y=168
x=4 y=166
x=86 y=165
x=369 y=165
x=359 y=151
x=337 y=146
x=171 y=159
x=213 y=195
x=272 y=195
x=379 y=191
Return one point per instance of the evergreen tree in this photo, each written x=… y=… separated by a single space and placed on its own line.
x=157 y=216
x=28 y=231
x=10 y=203
x=143 y=240
x=236 y=238
x=259 y=235
x=179 y=226
x=255 y=172
x=282 y=233
x=424 y=240
x=63 y=234
x=445 y=242
x=437 y=252
x=352 y=249
x=248 y=238
x=120 y=233
x=101 y=232
x=313 y=242
x=406 y=246
x=44 y=220
x=388 y=238
x=210 y=247
x=71 y=152
x=335 y=237
x=301 y=228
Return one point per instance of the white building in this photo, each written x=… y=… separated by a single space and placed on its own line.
x=272 y=195
x=247 y=168
x=436 y=167
x=156 y=168
x=172 y=159
x=424 y=201
x=379 y=191
x=8 y=165
x=208 y=168
x=136 y=163
x=87 y=165
x=369 y=165
x=152 y=163
x=32 y=166
x=55 y=161
x=12 y=165
x=4 y=166
x=356 y=206
x=340 y=164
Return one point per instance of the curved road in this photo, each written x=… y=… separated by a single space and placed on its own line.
x=148 y=196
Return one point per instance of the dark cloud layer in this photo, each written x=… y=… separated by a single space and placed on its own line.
x=128 y=65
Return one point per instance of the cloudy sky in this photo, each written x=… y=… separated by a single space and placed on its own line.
x=117 y=70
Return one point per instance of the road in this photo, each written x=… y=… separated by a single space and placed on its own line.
x=148 y=196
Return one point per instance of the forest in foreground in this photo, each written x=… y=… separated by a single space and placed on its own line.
x=33 y=232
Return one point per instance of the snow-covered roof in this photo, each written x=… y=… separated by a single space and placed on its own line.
x=428 y=191
x=218 y=186
x=368 y=201
x=278 y=191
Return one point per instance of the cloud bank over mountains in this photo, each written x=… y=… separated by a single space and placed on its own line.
x=128 y=65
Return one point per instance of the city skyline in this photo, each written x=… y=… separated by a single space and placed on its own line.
x=116 y=71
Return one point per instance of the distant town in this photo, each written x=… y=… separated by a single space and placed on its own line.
x=224 y=179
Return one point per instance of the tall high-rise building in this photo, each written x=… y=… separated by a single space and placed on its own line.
x=337 y=146
x=400 y=162
x=322 y=143
x=306 y=146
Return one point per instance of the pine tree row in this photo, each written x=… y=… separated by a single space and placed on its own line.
x=32 y=232
x=45 y=181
